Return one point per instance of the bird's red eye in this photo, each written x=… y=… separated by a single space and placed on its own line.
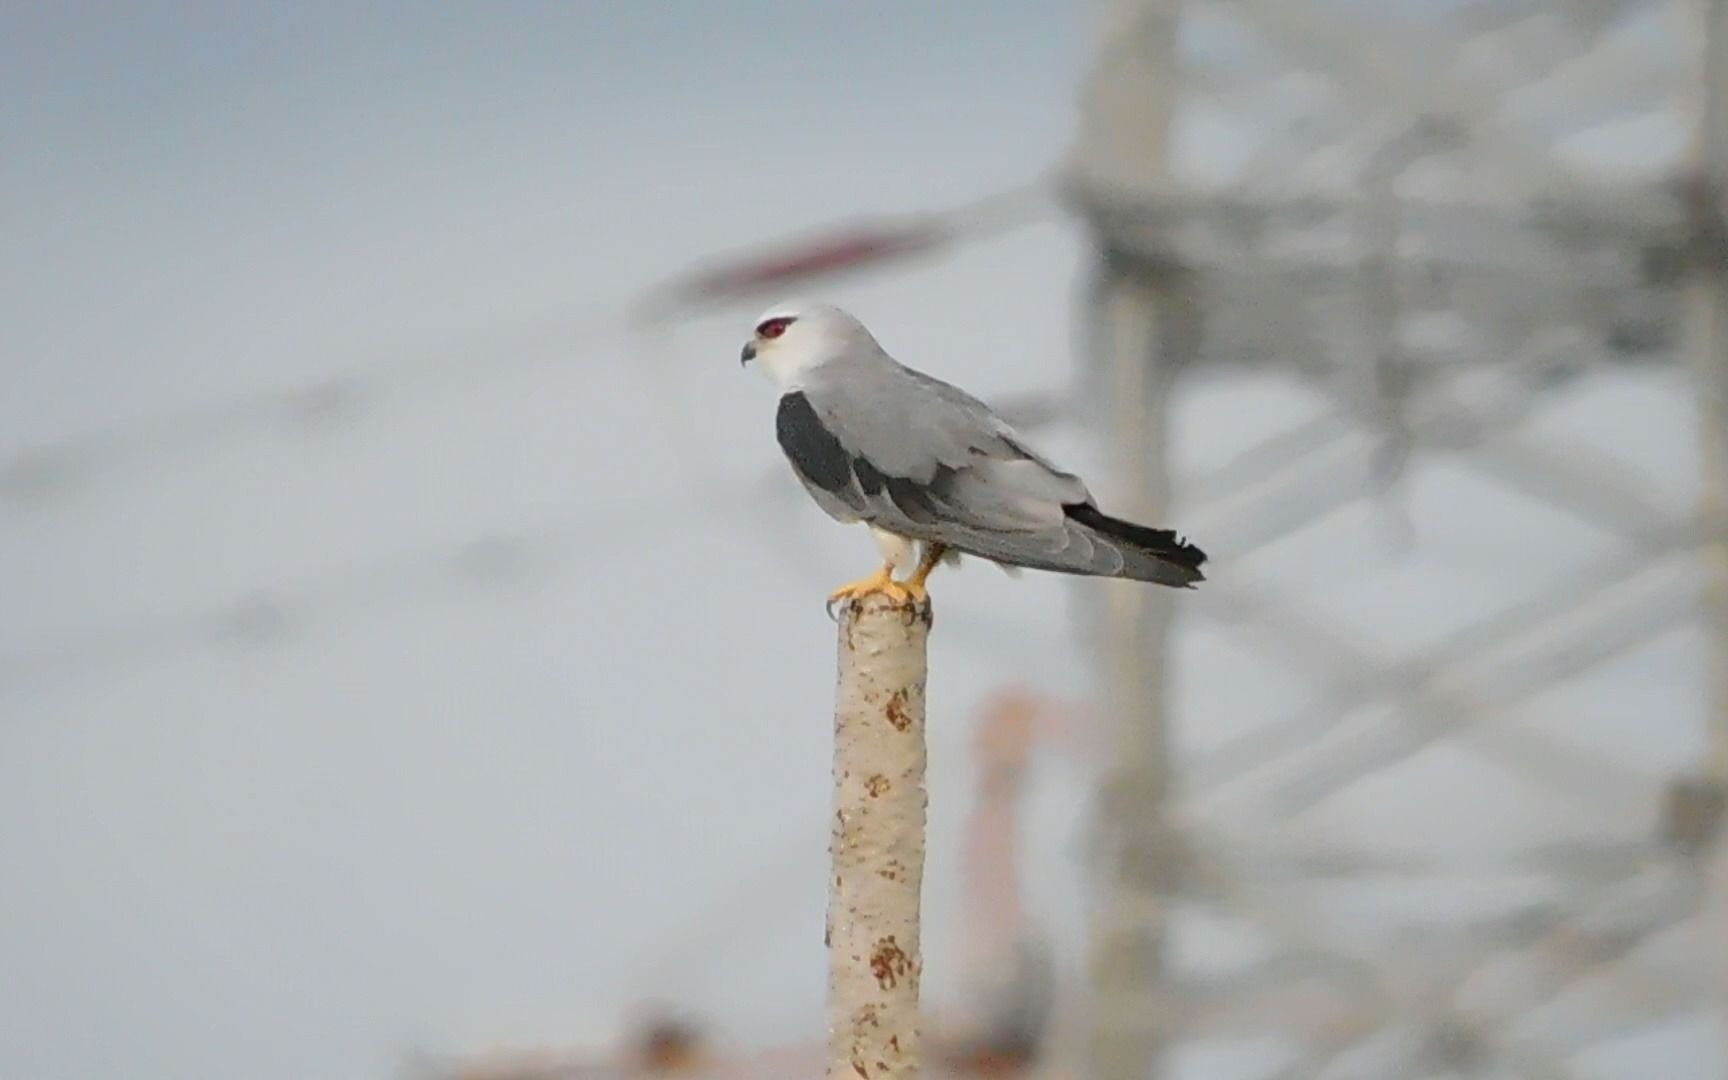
x=773 y=328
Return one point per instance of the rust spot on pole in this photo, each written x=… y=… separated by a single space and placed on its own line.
x=896 y=711
x=921 y=613
x=889 y=963
x=877 y=786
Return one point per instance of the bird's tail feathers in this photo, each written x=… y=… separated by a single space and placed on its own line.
x=1164 y=557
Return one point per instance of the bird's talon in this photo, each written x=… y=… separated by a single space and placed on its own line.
x=881 y=583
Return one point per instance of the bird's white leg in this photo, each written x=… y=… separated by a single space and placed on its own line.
x=897 y=552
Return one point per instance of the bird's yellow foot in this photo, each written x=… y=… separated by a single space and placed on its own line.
x=880 y=583
x=933 y=555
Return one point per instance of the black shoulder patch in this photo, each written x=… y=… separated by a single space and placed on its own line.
x=870 y=479
x=811 y=447
x=919 y=501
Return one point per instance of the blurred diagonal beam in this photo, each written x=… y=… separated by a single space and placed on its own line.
x=841 y=250
x=1568 y=955
x=1574 y=477
x=1300 y=927
x=1594 y=614
x=1618 y=618
x=1300 y=476
x=336 y=400
x=1546 y=941
x=1562 y=954
x=1404 y=72
x=1286 y=152
x=1565 y=473
x=1431 y=706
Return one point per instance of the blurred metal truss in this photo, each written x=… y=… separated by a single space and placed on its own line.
x=1407 y=232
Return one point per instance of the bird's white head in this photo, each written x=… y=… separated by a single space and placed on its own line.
x=791 y=340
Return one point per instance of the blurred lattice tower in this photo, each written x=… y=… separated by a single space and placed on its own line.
x=1438 y=217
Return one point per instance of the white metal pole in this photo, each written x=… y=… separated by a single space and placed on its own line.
x=877 y=842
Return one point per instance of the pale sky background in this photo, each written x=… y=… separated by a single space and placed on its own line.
x=434 y=813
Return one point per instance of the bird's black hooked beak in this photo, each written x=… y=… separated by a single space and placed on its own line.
x=748 y=354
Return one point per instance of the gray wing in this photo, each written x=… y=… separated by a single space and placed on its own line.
x=920 y=458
